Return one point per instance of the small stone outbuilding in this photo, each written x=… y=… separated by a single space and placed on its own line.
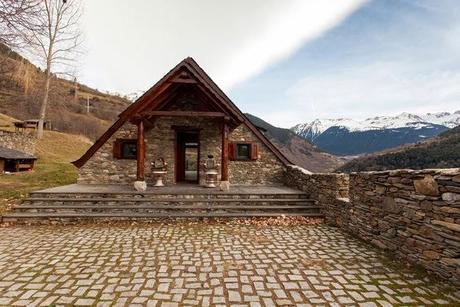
x=15 y=161
x=183 y=119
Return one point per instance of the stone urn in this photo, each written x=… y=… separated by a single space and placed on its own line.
x=210 y=171
x=159 y=171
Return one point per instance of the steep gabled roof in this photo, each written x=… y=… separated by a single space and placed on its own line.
x=187 y=71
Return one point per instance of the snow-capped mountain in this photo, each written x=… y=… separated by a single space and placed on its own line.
x=404 y=120
x=348 y=136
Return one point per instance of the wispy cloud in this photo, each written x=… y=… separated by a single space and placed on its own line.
x=380 y=88
x=131 y=44
x=389 y=57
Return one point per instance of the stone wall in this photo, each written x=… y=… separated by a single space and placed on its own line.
x=102 y=167
x=160 y=143
x=18 y=141
x=413 y=214
x=320 y=186
x=267 y=169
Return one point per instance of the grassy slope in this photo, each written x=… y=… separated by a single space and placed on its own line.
x=52 y=168
x=21 y=91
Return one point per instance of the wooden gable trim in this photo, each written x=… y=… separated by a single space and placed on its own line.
x=268 y=143
x=98 y=144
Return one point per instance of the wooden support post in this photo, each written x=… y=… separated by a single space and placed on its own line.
x=140 y=151
x=224 y=174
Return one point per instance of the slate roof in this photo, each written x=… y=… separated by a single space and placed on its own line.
x=6 y=153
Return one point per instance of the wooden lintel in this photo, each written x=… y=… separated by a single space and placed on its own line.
x=149 y=123
x=186 y=114
x=182 y=80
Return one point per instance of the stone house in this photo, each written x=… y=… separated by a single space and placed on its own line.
x=183 y=119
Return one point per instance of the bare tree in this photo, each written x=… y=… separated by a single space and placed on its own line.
x=57 y=45
x=17 y=18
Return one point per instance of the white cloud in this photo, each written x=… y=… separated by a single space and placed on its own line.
x=383 y=88
x=131 y=44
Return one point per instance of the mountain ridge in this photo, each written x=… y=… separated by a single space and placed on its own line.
x=298 y=150
x=318 y=126
x=345 y=136
x=442 y=151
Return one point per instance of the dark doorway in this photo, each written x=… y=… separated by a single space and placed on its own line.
x=187 y=156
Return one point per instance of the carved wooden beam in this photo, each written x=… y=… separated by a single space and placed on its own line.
x=187 y=114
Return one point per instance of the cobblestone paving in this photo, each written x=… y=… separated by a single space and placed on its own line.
x=202 y=265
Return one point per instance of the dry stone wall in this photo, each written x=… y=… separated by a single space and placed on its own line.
x=414 y=214
x=18 y=141
x=324 y=187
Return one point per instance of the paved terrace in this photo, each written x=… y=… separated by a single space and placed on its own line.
x=170 y=189
x=201 y=265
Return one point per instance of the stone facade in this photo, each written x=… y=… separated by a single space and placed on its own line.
x=414 y=214
x=267 y=169
x=104 y=168
x=160 y=143
x=18 y=141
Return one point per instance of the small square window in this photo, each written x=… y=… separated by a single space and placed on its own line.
x=129 y=150
x=243 y=151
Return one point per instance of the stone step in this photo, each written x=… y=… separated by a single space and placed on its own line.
x=133 y=195
x=167 y=207
x=114 y=215
x=170 y=200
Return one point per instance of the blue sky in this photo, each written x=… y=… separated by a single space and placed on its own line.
x=286 y=61
x=385 y=58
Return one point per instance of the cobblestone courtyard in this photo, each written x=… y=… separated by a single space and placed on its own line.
x=202 y=265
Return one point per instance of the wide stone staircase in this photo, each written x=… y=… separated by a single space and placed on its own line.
x=44 y=205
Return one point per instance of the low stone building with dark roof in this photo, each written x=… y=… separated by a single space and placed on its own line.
x=14 y=161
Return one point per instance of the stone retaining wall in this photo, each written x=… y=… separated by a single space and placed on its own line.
x=320 y=186
x=414 y=214
x=18 y=141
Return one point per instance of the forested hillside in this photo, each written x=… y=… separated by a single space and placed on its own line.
x=442 y=151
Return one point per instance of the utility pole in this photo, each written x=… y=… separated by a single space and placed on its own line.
x=87 y=104
x=75 y=90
